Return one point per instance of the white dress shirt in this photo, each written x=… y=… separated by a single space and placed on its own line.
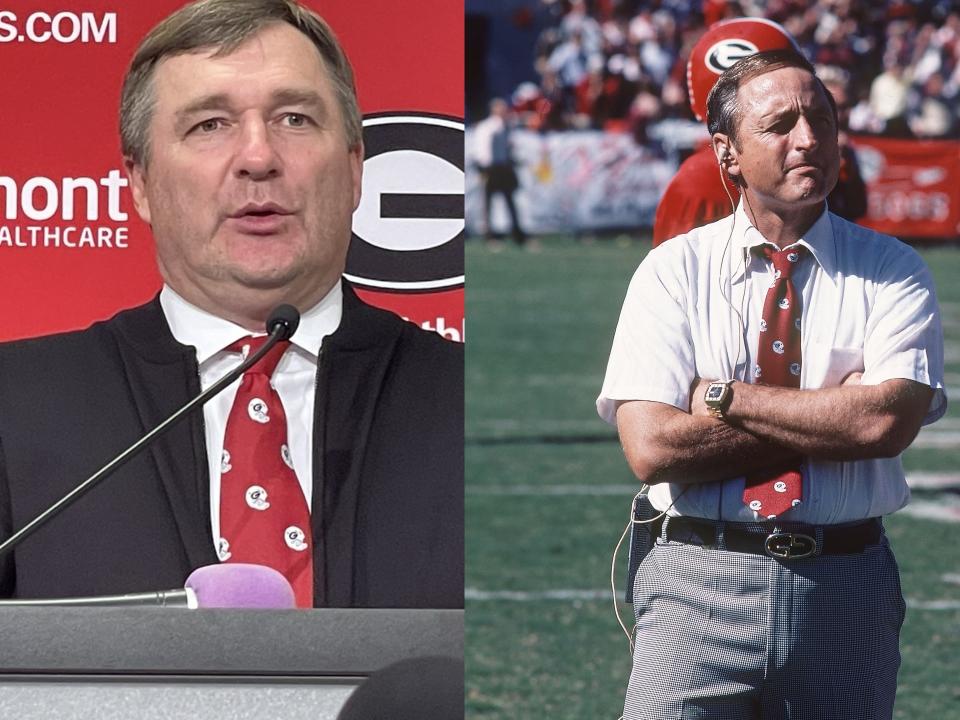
x=295 y=378
x=868 y=305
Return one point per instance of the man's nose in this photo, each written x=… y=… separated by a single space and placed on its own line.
x=257 y=157
x=805 y=137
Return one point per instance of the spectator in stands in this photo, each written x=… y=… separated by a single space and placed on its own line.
x=571 y=62
x=888 y=96
x=657 y=53
x=579 y=22
x=645 y=109
x=927 y=114
x=848 y=199
x=863 y=118
x=921 y=37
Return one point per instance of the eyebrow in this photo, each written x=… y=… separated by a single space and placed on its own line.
x=201 y=104
x=298 y=97
x=278 y=98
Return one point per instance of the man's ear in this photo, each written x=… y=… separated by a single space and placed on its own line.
x=356 y=172
x=727 y=155
x=137 y=175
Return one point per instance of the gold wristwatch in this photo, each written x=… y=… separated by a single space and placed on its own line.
x=718 y=396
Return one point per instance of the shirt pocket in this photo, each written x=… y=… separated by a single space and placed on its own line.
x=826 y=366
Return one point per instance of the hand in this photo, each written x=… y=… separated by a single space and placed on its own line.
x=697 y=390
x=854 y=378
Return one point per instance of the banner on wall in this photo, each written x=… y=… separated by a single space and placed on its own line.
x=582 y=181
x=72 y=249
x=574 y=181
x=913 y=186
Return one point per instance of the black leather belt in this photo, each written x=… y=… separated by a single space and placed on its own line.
x=786 y=542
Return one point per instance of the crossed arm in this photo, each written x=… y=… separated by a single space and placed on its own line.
x=766 y=427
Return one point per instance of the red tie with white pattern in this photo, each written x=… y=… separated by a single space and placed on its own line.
x=263 y=515
x=772 y=493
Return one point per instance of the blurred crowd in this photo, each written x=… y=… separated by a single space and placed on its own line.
x=621 y=64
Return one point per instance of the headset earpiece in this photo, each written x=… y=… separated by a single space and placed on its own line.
x=724 y=156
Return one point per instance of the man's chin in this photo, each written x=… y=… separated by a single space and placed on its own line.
x=262 y=279
x=810 y=191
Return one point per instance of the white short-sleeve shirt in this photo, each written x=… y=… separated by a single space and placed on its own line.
x=693 y=310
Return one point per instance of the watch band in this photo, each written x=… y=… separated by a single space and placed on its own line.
x=718 y=396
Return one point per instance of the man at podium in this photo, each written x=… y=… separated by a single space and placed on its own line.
x=338 y=458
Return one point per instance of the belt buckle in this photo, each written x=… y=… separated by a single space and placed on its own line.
x=789 y=546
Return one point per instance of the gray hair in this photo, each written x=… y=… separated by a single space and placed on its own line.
x=225 y=25
x=723 y=108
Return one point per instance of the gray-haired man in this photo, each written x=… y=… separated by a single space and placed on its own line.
x=767 y=371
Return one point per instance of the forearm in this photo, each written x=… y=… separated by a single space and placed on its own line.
x=664 y=444
x=850 y=422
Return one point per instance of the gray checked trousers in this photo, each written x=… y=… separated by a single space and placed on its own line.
x=734 y=636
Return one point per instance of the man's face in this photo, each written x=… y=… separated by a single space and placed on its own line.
x=249 y=186
x=786 y=149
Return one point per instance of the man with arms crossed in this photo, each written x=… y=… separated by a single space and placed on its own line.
x=766 y=373
x=340 y=462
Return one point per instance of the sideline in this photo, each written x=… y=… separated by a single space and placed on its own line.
x=476 y=595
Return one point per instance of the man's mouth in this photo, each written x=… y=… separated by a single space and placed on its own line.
x=260 y=210
x=259 y=218
x=803 y=165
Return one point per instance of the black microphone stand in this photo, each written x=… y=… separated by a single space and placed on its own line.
x=281 y=325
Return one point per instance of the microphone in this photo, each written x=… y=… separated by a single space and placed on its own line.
x=286 y=317
x=230 y=585
x=281 y=324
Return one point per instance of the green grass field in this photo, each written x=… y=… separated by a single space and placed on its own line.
x=548 y=494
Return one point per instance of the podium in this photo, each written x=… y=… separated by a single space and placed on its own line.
x=170 y=663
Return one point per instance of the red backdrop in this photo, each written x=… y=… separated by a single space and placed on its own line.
x=72 y=249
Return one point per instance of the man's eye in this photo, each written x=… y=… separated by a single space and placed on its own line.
x=783 y=127
x=296 y=119
x=209 y=125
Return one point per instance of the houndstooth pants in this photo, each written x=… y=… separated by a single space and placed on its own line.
x=735 y=636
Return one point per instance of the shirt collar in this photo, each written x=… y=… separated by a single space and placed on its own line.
x=210 y=334
x=818 y=240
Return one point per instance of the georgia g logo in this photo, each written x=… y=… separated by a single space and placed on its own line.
x=408 y=229
x=256 y=497
x=295 y=538
x=727 y=52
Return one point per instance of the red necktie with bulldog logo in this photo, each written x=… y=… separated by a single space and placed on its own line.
x=778 y=362
x=263 y=515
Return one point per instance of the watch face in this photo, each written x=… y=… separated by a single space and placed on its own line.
x=714 y=392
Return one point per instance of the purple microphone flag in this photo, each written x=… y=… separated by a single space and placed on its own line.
x=240 y=585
